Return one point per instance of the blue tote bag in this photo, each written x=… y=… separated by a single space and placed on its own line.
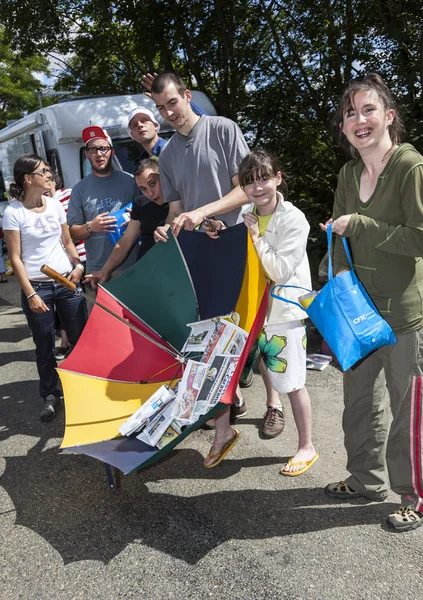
x=345 y=314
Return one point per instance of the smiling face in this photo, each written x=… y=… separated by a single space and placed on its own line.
x=366 y=122
x=149 y=184
x=101 y=160
x=173 y=107
x=263 y=193
x=143 y=130
x=40 y=179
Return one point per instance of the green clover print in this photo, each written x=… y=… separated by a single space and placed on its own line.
x=270 y=349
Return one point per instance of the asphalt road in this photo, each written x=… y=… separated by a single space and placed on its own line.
x=177 y=530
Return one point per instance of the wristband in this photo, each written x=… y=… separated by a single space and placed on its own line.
x=79 y=266
x=31 y=295
x=88 y=226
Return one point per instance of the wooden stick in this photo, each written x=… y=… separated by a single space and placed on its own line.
x=71 y=286
x=57 y=277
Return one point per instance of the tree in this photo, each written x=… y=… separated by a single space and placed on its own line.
x=277 y=67
x=18 y=85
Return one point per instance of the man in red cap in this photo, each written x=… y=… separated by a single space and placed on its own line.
x=95 y=198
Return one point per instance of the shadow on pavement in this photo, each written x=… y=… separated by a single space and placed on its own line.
x=20 y=405
x=15 y=334
x=65 y=498
x=6 y=358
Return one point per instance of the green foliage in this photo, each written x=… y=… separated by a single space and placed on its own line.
x=277 y=67
x=18 y=85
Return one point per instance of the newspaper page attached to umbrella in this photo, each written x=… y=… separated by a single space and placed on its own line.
x=162 y=418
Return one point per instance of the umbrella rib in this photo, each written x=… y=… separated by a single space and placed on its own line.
x=177 y=364
x=174 y=353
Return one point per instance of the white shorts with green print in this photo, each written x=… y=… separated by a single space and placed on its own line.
x=284 y=352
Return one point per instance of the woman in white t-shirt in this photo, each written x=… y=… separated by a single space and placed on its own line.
x=36 y=233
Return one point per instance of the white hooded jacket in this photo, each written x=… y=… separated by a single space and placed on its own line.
x=282 y=252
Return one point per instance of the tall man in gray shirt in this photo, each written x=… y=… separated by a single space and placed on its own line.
x=199 y=165
x=199 y=179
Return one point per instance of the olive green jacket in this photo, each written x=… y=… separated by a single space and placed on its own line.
x=386 y=236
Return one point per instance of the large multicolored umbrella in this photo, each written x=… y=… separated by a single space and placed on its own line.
x=119 y=363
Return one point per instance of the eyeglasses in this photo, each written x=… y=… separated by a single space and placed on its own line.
x=101 y=149
x=43 y=171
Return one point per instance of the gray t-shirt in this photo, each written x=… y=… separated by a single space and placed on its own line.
x=198 y=168
x=95 y=195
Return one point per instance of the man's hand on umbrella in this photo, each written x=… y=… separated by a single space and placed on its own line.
x=103 y=223
x=189 y=221
x=160 y=234
x=98 y=277
x=147 y=82
x=213 y=227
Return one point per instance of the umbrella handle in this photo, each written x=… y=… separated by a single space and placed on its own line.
x=57 y=277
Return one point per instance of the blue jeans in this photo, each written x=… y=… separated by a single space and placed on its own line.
x=71 y=309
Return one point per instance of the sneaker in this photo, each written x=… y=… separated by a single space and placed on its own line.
x=405 y=518
x=274 y=422
x=238 y=411
x=51 y=404
x=247 y=381
x=61 y=353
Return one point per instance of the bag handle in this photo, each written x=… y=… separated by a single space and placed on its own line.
x=297 y=287
x=346 y=248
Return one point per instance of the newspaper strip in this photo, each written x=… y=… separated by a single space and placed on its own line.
x=189 y=387
x=209 y=387
x=169 y=435
x=318 y=362
x=157 y=426
x=227 y=338
x=156 y=402
x=201 y=332
x=231 y=363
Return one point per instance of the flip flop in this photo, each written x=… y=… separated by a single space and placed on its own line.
x=226 y=448
x=307 y=464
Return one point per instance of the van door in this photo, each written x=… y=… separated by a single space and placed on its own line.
x=38 y=144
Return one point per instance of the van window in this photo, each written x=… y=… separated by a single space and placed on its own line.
x=127 y=152
x=3 y=194
x=54 y=161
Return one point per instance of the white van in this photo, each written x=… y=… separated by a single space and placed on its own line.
x=54 y=133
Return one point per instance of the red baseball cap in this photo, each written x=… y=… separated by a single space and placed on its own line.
x=94 y=133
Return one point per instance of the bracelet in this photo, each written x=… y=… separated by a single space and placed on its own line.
x=88 y=226
x=79 y=266
x=31 y=295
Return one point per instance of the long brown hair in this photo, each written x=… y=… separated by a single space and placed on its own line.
x=372 y=82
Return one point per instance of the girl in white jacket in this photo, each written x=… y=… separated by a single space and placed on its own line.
x=279 y=233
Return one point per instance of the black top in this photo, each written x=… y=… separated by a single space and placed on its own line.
x=150 y=216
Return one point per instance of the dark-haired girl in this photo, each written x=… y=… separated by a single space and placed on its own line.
x=378 y=207
x=279 y=232
x=36 y=233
